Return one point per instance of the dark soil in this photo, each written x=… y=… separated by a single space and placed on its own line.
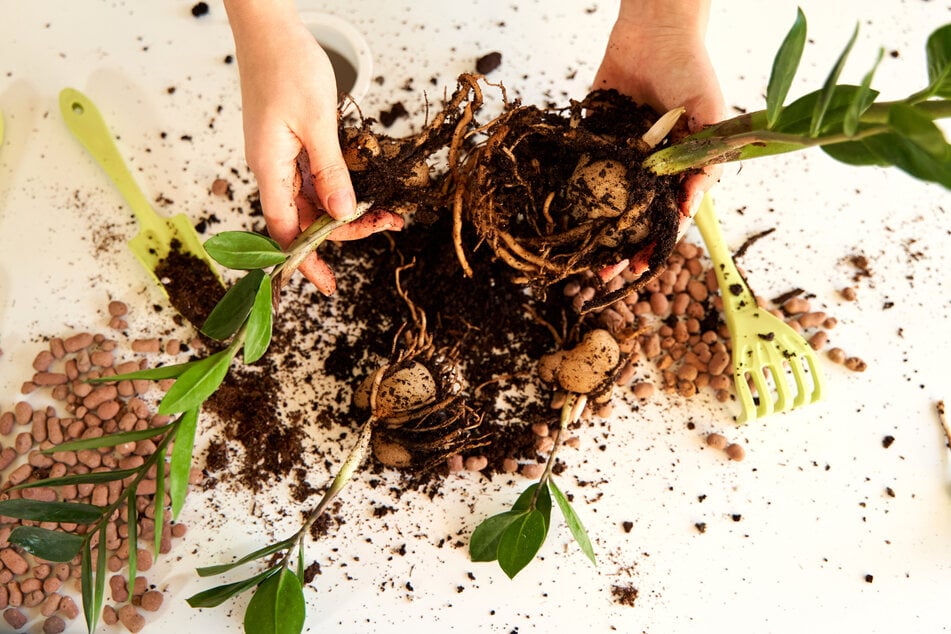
x=193 y=289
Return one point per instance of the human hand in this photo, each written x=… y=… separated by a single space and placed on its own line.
x=289 y=101
x=656 y=55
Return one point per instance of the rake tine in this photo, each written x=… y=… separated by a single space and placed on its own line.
x=818 y=385
x=799 y=371
x=765 y=394
x=748 y=411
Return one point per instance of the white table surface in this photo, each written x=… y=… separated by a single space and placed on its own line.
x=815 y=514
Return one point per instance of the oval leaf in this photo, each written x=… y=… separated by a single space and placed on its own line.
x=244 y=250
x=521 y=541
x=209 y=571
x=785 y=65
x=919 y=130
x=574 y=522
x=181 y=462
x=93 y=477
x=151 y=374
x=109 y=440
x=46 y=544
x=542 y=502
x=860 y=102
x=260 y=323
x=214 y=597
x=828 y=88
x=229 y=313
x=192 y=388
x=938 y=49
x=484 y=543
x=72 y=512
x=277 y=607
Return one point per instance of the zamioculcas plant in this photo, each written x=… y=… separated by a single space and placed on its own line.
x=552 y=194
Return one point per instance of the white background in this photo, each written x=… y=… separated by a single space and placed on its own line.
x=815 y=517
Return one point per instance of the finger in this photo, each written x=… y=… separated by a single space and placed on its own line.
x=275 y=169
x=319 y=274
x=695 y=186
x=328 y=171
x=372 y=222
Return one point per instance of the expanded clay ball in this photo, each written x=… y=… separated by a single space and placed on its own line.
x=735 y=452
x=717 y=441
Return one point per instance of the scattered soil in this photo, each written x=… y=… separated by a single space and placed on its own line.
x=192 y=287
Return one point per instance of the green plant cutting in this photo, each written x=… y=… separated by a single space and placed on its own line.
x=846 y=121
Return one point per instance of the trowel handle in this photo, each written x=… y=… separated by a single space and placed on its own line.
x=87 y=125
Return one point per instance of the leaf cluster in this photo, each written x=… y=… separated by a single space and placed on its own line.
x=845 y=120
x=514 y=537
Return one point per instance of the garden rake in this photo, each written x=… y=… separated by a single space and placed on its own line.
x=765 y=349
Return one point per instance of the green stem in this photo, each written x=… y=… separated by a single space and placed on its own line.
x=304 y=244
x=570 y=412
x=354 y=459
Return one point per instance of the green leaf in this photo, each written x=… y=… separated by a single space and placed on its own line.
x=71 y=512
x=232 y=310
x=260 y=322
x=938 y=50
x=181 y=462
x=80 y=478
x=785 y=65
x=854 y=153
x=911 y=158
x=797 y=116
x=159 y=498
x=860 y=101
x=574 y=522
x=151 y=374
x=133 y=523
x=300 y=562
x=214 y=597
x=277 y=607
x=209 y=571
x=919 y=130
x=521 y=541
x=46 y=544
x=244 y=250
x=484 y=543
x=542 y=502
x=828 y=89
x=90 y=610
x=197 y=384
x=110 y=440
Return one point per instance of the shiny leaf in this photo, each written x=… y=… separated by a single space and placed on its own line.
x=260 y=322
x=232 y=310
x=574 y=522
x=828 y=89
x=49 y=545
x=180 y=465
x=785 y=65
x=277 y=607
x=219 y=594
x=521 y=541
x=38 y=511
x=197 y=384
x=244 y=250
x=938 y=50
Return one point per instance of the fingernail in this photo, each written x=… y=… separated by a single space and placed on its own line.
x=341 y=204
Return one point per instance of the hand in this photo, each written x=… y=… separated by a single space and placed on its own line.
x=289 y=101
x=657 y=56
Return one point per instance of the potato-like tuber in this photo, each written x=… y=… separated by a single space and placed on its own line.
x=408 y=388
x=585 y=368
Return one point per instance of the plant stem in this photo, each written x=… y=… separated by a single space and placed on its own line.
x=304 y=244
x=340 y=481
x=726 y=141
x=570 y=412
